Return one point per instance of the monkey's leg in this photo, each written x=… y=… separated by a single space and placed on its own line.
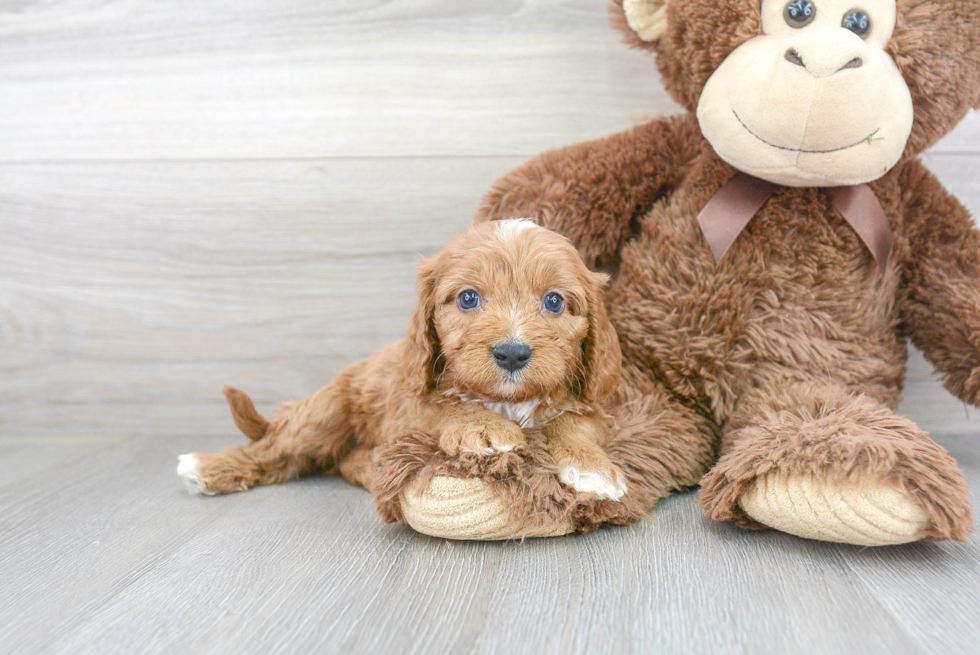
x=820 y=461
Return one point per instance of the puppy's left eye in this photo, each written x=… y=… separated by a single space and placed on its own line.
x=554 y=303
x=468 y=299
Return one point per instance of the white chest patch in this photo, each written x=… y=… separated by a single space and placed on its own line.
x=520 y=413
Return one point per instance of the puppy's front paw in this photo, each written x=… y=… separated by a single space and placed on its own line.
x=189 y=470
x=606 y=483
x=482 y=438
x=505 y=436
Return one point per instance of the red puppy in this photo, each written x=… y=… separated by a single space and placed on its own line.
x=510 y=332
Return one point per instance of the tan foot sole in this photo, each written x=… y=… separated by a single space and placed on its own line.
x=457 y=508
x=866 y=514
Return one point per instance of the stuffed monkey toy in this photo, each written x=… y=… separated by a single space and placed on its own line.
x=776 y=247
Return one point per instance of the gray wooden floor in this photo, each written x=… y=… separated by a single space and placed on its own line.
x=194 y=194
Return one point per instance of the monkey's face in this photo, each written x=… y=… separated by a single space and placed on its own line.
x=815 y=100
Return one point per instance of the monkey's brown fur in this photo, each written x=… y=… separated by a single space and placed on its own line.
x=790 y=353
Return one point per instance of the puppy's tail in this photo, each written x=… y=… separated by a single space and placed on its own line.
x=247 y=418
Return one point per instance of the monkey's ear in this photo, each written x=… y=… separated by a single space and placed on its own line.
x=642 y=21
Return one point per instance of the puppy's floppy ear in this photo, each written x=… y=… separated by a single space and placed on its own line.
x=642 y=22
x=602 y=359
x=422 y=342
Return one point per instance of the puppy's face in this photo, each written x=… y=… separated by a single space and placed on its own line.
x=512 y=313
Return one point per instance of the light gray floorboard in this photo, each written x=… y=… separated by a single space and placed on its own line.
x=195 y=194
x=122 y=561
x=22 y=458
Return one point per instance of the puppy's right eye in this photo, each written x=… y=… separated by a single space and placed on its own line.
x=468 y=299
x=554 y=303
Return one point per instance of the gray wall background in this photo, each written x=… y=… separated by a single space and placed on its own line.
x=209 y=193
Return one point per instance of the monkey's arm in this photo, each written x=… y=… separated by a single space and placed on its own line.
x=942 y=300
x=590 y=192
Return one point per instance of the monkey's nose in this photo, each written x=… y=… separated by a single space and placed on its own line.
x=793 y=57
x=821 y=60
x=512 y=355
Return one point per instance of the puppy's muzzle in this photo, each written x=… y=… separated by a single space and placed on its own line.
x=511 y=356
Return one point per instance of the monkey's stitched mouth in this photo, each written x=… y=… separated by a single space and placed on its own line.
x=866 y=139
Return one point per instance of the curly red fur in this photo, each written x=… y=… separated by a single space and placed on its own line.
x=439 y=386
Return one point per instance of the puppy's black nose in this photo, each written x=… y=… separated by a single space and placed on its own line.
x=512 y=355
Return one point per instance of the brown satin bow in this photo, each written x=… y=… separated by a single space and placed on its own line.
x=731 y=209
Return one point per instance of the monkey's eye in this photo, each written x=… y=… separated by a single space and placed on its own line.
x=799 y=13
x=468 y=299
x=554 y=303
x=857 y=21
